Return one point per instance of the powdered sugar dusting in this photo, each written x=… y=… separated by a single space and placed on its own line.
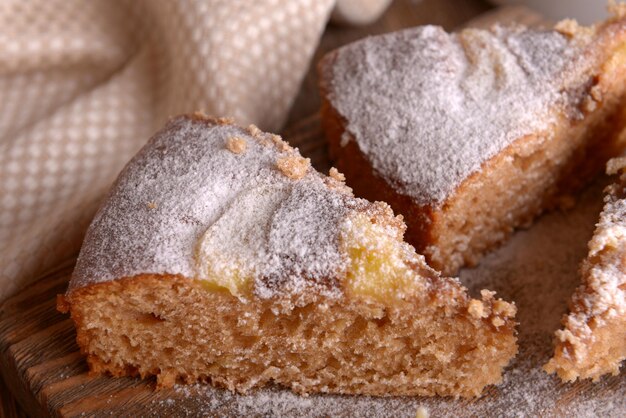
x=610 y=289
x=602 y=296
x=428 y=108
x=188 y=205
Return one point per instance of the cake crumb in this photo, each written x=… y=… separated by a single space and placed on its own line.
x=497 y=322
x=503 y=308
x=422 y=413
x=166 y=379
x=151 y=205
x=294 y=166
x=476 y=309
x=571 y=28
x=236 y=145
x=596 y=93
x=567 y=26
x=199 y=114
x=616 y=9
x=336 y=174
x=280 y=143
x=202 y=115
x=225 y=120
x=254 y=130
x=615 y=165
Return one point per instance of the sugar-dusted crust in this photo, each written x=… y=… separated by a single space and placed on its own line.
x=469 y=144
x=199 y=172
x=221 y=255
x=593 y=339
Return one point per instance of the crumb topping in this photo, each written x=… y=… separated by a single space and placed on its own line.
x=571 y=28
x=199 y=114
x=294 y=166
x=227 y=120
x=254 y=130
x=497 y=321
x=477 y=309
x=236 y=145
x=428 y=108
x=282 y=145
x=503 y=308
x=334 y=173
x=567 y=27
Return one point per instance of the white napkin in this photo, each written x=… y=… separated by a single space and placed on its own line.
x=83 y=85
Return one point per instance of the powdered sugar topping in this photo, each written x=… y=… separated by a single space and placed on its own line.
x=428 y=108
x=603 y=293
x=187 y=204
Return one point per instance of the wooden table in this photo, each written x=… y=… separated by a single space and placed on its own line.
x=41 y=361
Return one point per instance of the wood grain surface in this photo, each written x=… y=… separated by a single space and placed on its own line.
x=45 y=372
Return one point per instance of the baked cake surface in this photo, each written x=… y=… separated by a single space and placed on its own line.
x=593 y=339
x=221 y=255
x=472 y=134
x=448 y=102
x=262 y=223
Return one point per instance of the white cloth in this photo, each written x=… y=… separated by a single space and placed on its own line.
x=83 y=85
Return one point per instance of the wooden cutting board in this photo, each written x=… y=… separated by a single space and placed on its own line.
x=42 y=365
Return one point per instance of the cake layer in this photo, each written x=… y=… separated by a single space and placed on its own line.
x=180 y=330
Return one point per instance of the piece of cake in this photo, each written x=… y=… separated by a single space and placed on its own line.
x=472 y=134
x=221 y=255
x=593 y=339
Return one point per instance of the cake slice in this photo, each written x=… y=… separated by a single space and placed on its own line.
x=472 y=134
x=221 y=255
x=593 y=339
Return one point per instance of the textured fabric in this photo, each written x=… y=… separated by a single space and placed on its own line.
x=83 y=84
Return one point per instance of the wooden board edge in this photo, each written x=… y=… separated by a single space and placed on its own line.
x=18 y=387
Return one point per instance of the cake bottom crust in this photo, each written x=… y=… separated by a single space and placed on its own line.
x=182 y=330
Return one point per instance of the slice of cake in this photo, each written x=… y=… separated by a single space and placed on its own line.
x=221 y=255
x=593 y=339
x=472 y=134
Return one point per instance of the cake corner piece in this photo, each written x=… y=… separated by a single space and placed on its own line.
x=211 y=261
x=592 y=342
